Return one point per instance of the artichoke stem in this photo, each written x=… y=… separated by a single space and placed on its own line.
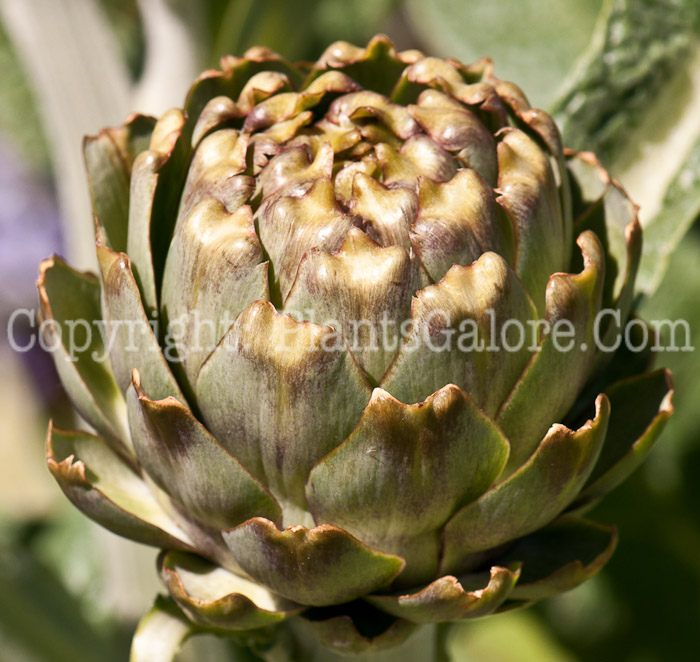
x=424 y=645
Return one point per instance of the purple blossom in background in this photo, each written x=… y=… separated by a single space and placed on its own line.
x=29 y=231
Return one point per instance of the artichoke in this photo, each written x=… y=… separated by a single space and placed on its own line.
x=348 y=357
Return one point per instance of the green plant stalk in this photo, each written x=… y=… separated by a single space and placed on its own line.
x=424 y=645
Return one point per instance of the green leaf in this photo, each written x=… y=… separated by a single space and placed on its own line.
x=533 y=42
x=236 y=72
x=557 y=370
x=247 y=23
x=677 y=299
x=375 y=67
x=355 y=21
x=679 y=209
x=633 y=100
x=40 y=618
x=640 y=407
x=601 y=205
x=514 y=637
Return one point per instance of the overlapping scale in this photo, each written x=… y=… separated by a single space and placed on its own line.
x=457 y=129
x=438 y=455
x=465 y=331
x=458 y=221
x=214 y=270
x=291 y=225
x=277 y=360
x=364 y=291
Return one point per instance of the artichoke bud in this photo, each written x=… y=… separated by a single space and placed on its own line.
x=331 y=383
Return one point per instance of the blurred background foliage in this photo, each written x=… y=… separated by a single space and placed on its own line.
x=622 y=77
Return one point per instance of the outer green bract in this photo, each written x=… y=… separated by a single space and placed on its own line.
x=307 y=238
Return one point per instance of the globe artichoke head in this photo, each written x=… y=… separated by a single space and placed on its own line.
x=353 y=355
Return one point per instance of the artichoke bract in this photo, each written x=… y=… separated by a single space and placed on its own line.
x=348 y=356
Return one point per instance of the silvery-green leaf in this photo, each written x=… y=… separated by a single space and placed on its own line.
x=680 y=207
x=633 y=100
x=81 y=88
x=534 y=42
